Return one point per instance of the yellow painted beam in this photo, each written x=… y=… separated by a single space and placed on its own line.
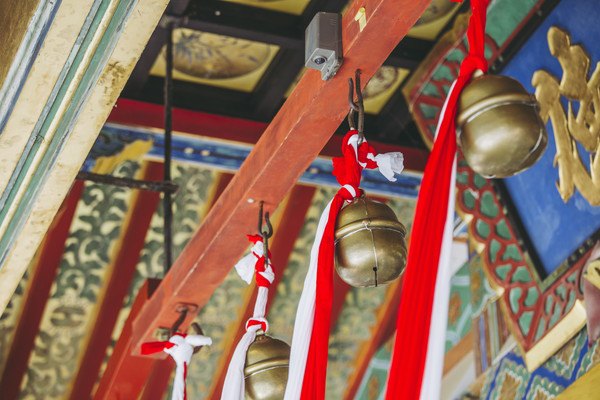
x=584 y=388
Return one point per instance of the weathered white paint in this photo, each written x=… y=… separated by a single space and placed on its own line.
x=100 y=101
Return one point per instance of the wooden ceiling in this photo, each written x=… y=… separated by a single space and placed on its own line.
x=273 y=33
x=106 y=241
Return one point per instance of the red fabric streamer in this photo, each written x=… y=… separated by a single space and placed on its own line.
x=414 y=314
x=155 y=347
x=347 y=170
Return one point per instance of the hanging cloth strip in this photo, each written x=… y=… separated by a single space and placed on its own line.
x=418 y=355
x=308 y=357
x=180 y=347
x=251 y=265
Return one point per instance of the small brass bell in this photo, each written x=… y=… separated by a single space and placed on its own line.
x=498 y=126
x=370 y=246
x=266 y=370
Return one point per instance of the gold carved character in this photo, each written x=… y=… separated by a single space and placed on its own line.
x=580 y=123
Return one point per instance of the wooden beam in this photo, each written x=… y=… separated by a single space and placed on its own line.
x=383 y=330
x=126 y=375
x=124 y=261
x=46 y=266
x=138 y=113
x=159 y=378
x=458 y=352
x=281 y=246
x=297 y=134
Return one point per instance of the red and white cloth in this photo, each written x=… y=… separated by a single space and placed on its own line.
x=251 y=265
x=180 y=347
x=308 y=358
x=418 y=355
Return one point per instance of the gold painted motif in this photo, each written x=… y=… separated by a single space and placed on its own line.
x=216 y=60
x=579 y=125
x=295 y=7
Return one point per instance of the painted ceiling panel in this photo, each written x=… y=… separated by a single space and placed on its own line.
x=433 y=20
x=190 y=205
x=70 y=310
x=295 y=7
x=216 y=60
x=379 y=89
x=283 y=308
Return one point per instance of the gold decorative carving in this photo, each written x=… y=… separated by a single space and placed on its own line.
x=579 y=124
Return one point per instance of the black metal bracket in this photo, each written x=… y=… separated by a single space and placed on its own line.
x=152 y=186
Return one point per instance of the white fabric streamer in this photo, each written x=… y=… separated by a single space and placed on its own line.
x=304 y=317
x=182 y=354
x=434 y=361
x=234 y=386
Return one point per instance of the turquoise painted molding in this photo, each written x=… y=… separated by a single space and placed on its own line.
x=96 y=64
x=28 y=50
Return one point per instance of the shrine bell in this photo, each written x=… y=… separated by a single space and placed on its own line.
x=370 y=244
x=499 y=128
x=266 y=369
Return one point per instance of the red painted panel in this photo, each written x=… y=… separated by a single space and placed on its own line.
x=130 y=247
x=44 y=272
x=126 y=375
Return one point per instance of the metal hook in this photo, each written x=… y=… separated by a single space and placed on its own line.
x=265 y=234
x=198 y=330
x=182 y=314
x=269 y=232
x=356 y=106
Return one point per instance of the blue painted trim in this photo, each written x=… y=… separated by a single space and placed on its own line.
x=25 y=57
x=230 y=156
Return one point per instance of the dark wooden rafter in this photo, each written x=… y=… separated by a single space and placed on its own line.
x=247 y=22
x=124 y=261
x=140 y=73
x=298 y=132
x=256 y=24
x=281 y=246
x=40 y=283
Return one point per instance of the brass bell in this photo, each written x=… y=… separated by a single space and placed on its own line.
x=370 y=245
x=499 y=128
x=266 y=369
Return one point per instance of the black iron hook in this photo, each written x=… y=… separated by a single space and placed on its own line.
x=356 y=106
x=265 y=234
x=198 y=330
x=269 y=232
x=182 y=314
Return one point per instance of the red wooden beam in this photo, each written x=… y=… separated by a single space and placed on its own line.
x=286 y=148
x=38 y=290
x=138 y=113
x=127 y=255
x=158 y=381
x=281 y=246
x=159 y=378
x=126 y=375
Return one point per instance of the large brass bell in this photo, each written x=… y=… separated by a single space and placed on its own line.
x=370 y=245
x=266 y=369
x=499 y=127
